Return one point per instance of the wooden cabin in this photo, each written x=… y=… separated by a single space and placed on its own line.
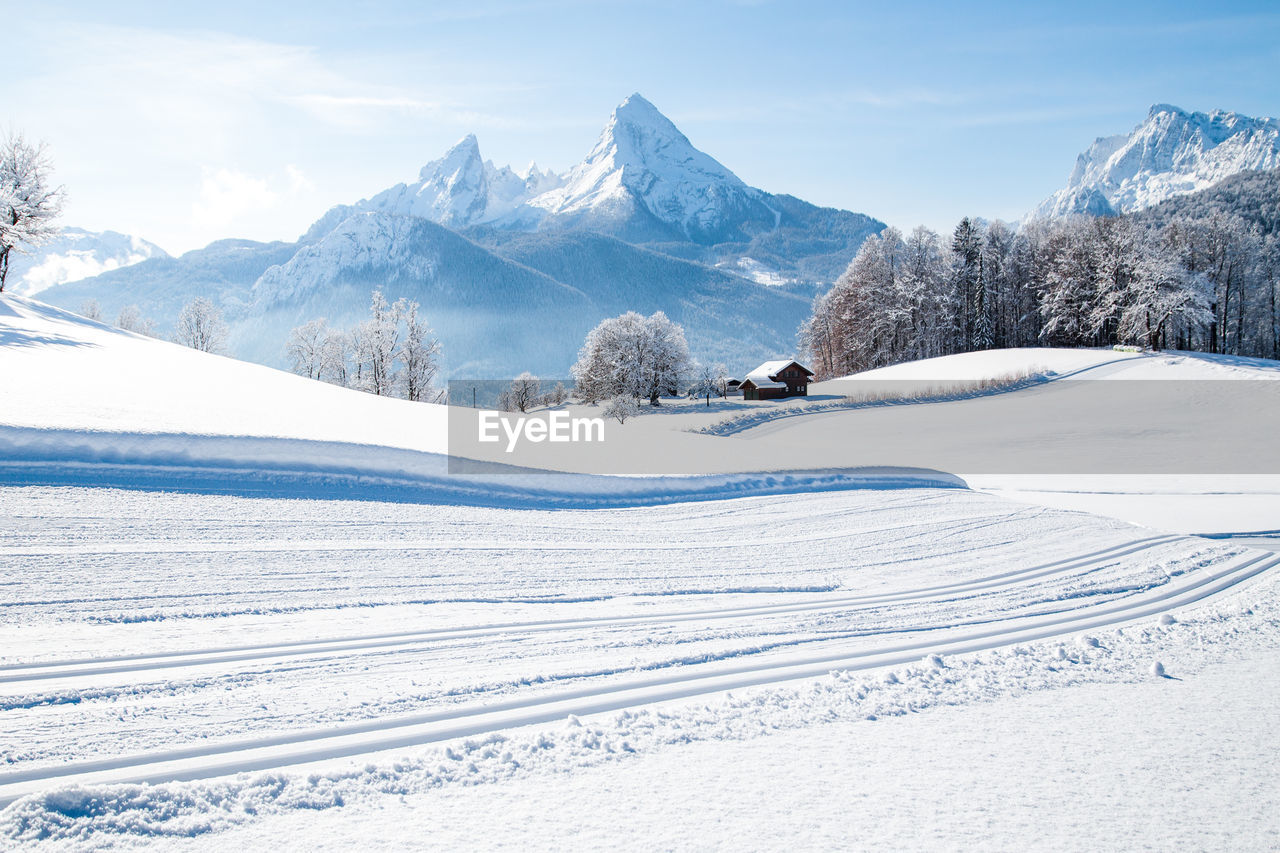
x=776 y=379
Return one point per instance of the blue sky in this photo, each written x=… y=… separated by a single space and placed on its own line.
x=250 y=119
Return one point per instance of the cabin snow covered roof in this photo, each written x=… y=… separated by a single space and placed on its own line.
x=762 y=376
x=762 y=382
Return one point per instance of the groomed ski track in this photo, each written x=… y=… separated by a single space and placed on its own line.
x=475 y=718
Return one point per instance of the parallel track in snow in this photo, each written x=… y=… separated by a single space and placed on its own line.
x=107 y=665
x=470 y=719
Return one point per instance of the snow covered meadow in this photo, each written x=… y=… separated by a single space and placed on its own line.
x=243 y=608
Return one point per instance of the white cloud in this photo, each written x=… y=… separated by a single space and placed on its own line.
x=298 y=181
x=70 y=266
x=227 y=196
x=131 y=113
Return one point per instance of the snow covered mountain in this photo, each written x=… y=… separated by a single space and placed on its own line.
x=462 y=189
x=74 y=255
x=643 y=182
x=512 y=268
x=1171 y=153
x=644 y=179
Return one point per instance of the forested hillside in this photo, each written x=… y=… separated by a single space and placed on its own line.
x=1199 y=272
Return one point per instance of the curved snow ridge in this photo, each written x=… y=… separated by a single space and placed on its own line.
x=281 y=467
x=470 y=720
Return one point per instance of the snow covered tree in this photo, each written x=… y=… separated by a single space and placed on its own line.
x=927 y=310
x=91 y=310
x=306 y=348
x=722 y=380
x=704 y=382
x=669 y=357
x=643 y=357
x=867 y=318
x=1162 y=292
x=131 y=320
x=556 y=396
x=521 y=395
x=28 y=201
x=335 y=358
x=392 y=352
x=621 y=407
x=968 y=283
x=200 y=326
x=419 y=354
x=376 y=343
x=1067 y=284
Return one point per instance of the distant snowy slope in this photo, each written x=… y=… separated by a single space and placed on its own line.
x=224 y=272
x=725 y=318
x=76 y=254
x=987 y=364
x=1059 y=362
x=59 y=371
x=1172 y=152
x=494 y=317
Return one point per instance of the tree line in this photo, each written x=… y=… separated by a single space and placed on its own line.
x=393 y=353
x=1169 y=278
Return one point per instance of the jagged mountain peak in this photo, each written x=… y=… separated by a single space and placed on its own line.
x=635 y=109
x=645 y=178
x=459 y=189
x=643 y=182
x=461 y=154
x=640 y=137
x=1171 y=152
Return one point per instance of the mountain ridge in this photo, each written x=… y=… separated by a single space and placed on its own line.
x=645 y=221
x=1172 y=152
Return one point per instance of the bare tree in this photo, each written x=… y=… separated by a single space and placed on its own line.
x=28 y=203
x=200 y=326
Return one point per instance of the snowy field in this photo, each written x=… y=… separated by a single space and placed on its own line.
x=379 y=650
x=742 y=654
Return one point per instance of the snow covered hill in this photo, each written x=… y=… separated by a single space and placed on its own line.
x=83 y=402
x=194 y=654
x=76 y=254
x=1171 y=153
x=65 y=374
